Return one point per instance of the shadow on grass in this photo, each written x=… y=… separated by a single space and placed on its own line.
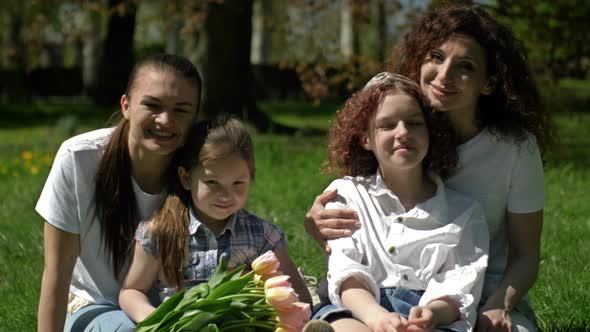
x=573 y=142
x=19 y=115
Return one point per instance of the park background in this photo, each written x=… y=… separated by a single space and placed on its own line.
x=285 y=67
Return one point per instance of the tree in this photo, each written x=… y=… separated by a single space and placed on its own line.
x=117 y=52
x=554 y=33
x=222 y=54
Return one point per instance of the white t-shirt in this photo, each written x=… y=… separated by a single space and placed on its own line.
x=439 y=246
x=67 y=202
x=502 y=176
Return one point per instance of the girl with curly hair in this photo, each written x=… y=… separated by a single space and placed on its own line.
x=473 y=69
x=419 y=259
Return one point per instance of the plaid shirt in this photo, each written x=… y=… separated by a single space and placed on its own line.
x=244 y=238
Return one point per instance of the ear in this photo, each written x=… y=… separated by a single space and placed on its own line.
x=490 y=86
x=125 y=106
x=185 y=178
x=365 y=142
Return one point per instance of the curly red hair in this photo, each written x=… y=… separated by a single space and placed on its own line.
x=514 y=107
x=346 y=154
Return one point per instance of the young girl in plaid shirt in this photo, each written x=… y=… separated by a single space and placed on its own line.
x=204 y=219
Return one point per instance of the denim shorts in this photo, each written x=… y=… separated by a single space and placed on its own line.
x=399 y=300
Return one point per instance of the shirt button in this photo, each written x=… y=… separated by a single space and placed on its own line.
x=405 y=277
x=391 y=250
x=399 y=219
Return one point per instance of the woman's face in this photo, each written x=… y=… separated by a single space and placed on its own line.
x=454 y=75
x=160 y=107
x=398 y=135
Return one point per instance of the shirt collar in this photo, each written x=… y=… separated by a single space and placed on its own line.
x=194 y=223
x=436 y=206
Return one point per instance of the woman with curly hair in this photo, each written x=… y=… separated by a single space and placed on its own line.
x=473 y=69
x=419 y=259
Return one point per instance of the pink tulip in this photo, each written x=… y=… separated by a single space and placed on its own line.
x=266 y=264
x=296 y=317
x=281 y=298
x=277 y=281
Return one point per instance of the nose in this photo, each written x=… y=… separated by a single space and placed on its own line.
x=401 y=130
x=223 y=193
x=444 y=72
x=164 y=118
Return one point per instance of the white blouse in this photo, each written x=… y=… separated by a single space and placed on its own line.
x=439 y=246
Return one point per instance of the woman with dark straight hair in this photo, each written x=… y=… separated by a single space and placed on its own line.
x=101 y=185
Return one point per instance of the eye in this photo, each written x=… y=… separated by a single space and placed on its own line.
x=182 y=110
x=151 y=106
x=437 y=57
x=466 y=66
x=210 y=182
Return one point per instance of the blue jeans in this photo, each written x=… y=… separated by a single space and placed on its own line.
x=399 y=300
x=99 y=318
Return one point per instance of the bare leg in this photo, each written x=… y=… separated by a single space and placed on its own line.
x=349 y=325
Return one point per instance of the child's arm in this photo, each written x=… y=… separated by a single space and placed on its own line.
x=441 y=311
x=358 y=299
x=142 y=275
x=289 y=268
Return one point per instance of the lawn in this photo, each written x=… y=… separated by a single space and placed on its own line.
x=287 y=181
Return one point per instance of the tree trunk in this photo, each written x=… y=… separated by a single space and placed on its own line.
x=382 y=41
x=261 y=36
x=91 y=52
x=173 y=45
x=12 y=64
x=117 y=52
x=223 y=55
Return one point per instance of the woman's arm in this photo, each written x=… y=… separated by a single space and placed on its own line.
x=61 y=250
x=142 y=275
x=326 y=224
x=289 y=268
x=524 y=243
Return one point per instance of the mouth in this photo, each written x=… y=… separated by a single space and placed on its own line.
x=223 y=206
x=441 y=92
x=160 y=134
x=403 y=147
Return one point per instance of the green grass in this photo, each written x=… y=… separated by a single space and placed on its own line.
x=287 y=181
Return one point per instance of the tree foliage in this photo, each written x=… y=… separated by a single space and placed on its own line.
x=554 y=32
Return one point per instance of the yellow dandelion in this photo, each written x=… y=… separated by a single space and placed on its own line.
x=34 y=170
x=47 y=159
x=27 y=155
x=15 y=174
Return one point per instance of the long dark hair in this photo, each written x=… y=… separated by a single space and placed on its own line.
x=514 y=106
x=116 y=205
x=209 y=139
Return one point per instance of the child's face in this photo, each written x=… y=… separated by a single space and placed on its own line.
x=453 y=75
x=160 y=108
x=398 y=135
x=219 y=187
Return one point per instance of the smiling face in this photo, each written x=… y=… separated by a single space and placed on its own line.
x=454 y=75
x=160 y=108
x=398 y=135
x=219 y=187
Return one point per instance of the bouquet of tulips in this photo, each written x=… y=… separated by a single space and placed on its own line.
x=260 y=300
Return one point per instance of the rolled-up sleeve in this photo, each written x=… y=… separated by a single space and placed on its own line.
x=347 y=256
